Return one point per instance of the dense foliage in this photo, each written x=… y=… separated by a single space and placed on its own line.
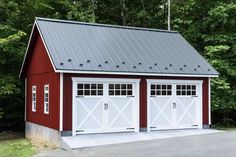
x=210 y=26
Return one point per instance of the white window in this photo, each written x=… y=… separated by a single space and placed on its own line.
x=46 y=99
x=186 y=90
x=121 y=89
x=34 y=98
x=89 y=89
x=161 y=89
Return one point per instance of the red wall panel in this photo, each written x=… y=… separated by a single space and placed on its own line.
x=67 y=114
x=40 y=72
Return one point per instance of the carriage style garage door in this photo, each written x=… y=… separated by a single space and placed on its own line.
x=105 y=105
x=174 y=104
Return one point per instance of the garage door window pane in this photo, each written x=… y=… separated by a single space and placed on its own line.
x=93 y=86
x=164 y=89
x=100 y=86
x=129 y=86
x=163 y=92
x=117 y=92
x=111 y=92
x=120 y=89
x=89 y=89
x=187 y=90
x=100 y=92
x=80 y=92
x=123 y=92
x=87 y=86
x=117 y=86
x=93 y=92
x=87 y=92
x=153 y=92
x=80 y=86
x=111 y=86
x=153 y=87
x=129 y=92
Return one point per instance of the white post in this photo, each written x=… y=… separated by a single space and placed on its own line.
x=61 y=102
x=209 y=101
x=168 y=21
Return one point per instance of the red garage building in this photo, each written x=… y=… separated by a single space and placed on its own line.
x=84 y=78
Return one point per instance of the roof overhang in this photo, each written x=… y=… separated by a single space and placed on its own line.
x=134 y=73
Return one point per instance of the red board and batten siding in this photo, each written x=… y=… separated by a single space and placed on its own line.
x=67 y=98
x=40 y=72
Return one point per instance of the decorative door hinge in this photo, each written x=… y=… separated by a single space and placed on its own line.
x=194 y=125
x=129 y=128
x=153 y=127
x=79 y=130
x=79 y=96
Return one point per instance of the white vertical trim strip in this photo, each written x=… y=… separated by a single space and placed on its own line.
x=209 y=101
x=61 y=102
x=148 y=105
x=25 y=96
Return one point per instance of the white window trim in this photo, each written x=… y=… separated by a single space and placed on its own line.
x=34 y=91
x=46 y=112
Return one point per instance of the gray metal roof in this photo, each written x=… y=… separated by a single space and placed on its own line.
x=78 y=46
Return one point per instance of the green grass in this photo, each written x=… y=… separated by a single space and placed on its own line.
x=17 y=148
x=222 y=127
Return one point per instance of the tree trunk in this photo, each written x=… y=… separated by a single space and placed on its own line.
x=145 y=18
x=123 y=12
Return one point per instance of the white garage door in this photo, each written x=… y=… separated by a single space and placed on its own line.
x=105 y=105
x=174 y=104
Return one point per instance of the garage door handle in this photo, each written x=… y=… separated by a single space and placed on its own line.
x=105 y=106
x=174 y=105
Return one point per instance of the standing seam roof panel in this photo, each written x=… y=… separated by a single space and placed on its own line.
x=84 y=42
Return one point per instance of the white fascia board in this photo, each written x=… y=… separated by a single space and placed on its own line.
x=173 y=81
x=132 y=73
x=88 y=79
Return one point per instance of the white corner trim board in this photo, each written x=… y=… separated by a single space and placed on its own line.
x=209 y=100
x=61 y=101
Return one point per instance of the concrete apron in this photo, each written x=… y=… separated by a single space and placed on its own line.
x=91 y=140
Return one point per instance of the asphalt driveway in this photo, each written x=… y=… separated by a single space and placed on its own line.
x=209 y=145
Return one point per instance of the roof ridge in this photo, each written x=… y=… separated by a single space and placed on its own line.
x=104 y=25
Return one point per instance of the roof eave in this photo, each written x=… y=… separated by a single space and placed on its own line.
x=137 y=73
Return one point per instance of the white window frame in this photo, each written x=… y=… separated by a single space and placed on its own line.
x=34 y=101
x=46 y=103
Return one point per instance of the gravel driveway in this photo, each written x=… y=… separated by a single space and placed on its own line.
x=210 y=145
